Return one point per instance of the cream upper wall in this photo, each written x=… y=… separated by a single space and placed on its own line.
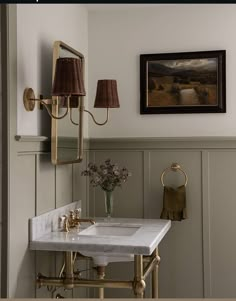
x=117 y=38
x=38 y=26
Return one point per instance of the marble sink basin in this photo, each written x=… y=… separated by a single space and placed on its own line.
x=104 y=230
x=113 y=229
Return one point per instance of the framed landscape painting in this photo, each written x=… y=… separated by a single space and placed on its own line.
x=184 y=82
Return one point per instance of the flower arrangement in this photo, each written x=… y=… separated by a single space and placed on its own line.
x=107 y=175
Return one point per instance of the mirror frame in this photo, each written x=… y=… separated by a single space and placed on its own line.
x=57 y=46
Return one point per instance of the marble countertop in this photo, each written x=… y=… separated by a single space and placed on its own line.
x=148 y=236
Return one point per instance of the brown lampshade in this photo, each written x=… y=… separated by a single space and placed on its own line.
x=68 y=79
x=107 y=95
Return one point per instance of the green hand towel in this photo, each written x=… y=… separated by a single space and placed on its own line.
x=174 y=203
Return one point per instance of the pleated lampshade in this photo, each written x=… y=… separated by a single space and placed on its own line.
x=68 y=79
x=107 y=95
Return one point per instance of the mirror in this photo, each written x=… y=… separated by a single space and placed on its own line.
x=67 y=133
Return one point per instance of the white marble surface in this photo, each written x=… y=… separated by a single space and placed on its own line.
x=143 y=241
x=49 y=221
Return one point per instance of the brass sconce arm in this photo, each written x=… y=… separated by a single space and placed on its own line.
x=98 y=123
x=50 y=113
x=71 y=118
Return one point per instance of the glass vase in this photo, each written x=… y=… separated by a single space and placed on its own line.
x=109 y=198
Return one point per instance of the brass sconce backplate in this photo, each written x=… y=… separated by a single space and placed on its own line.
x=28 y=99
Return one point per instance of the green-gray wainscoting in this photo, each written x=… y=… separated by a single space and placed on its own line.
x=197 y=255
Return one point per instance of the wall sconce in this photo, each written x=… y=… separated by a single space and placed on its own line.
x=68 y=82
x=68 y=87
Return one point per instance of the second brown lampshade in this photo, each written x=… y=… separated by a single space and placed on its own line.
x=107 y=95
x=68 y=78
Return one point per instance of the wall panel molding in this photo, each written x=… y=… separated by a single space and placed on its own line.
x=188 y=248
x=206 y=225
x=146 y=182
x=42 y=143
x=222 y=222
x=163 y=143
x=200 y=158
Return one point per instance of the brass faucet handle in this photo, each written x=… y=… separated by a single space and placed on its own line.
x=72 y=215
x=72 y=219
x=77 y=213
x=65 y=220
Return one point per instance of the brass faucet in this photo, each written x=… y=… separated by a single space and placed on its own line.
x=74 y=220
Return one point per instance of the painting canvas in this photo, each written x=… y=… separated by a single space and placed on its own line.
x=183 y=82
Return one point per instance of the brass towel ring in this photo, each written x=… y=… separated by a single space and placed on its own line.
x=174 y=167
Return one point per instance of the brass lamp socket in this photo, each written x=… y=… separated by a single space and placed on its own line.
x=29 y=99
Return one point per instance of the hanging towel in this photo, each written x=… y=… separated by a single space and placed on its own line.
x=174 y=203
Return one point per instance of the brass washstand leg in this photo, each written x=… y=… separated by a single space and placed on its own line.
x=101 y=275
x=155 y=275
x=139 y=284
x=69 y=270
